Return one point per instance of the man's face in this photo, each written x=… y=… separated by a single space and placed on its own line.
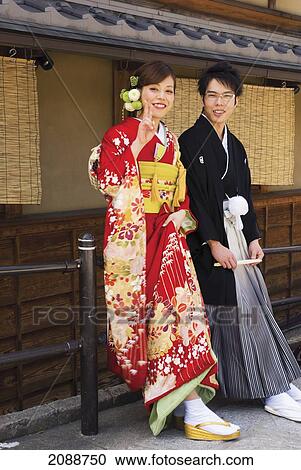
x=219 y=102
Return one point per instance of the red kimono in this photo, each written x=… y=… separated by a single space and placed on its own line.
x=158 y=335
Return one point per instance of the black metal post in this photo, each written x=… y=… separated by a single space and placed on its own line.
x=88 y=355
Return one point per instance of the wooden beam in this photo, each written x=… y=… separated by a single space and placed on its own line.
x=272 y=4
x=12 y=211
x=139 y=55
x=239 y=12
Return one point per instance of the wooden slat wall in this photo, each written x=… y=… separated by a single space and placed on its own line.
x=42 y=240
x=53 y=238
x=279 y=219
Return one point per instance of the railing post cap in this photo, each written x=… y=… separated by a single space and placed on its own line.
x=86 y=240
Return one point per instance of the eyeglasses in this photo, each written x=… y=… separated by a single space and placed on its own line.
x=225 y=97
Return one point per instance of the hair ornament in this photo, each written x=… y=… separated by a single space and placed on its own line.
x=134 y=81
x=131 y=98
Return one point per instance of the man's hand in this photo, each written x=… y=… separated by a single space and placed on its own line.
x=222 y=254
x=255 y=251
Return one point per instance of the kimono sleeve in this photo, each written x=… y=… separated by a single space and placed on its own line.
x=190 y=223
x=196 y=185
x=250 y=230
x=111 y=162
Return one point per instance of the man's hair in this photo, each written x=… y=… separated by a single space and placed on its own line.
x=224 y=73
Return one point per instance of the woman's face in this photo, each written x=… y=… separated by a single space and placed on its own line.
x=160 y=97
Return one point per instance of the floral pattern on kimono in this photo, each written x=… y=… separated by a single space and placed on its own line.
x=158 y=334
x=114 y=171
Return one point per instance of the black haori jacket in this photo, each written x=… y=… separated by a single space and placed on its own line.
x=204 y=157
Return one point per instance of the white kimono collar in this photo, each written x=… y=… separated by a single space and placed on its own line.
x=224 y=144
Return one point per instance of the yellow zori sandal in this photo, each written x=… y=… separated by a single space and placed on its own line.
x=196 y=432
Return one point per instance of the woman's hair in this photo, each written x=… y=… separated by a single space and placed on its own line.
x=153 y=72
x=224 y=73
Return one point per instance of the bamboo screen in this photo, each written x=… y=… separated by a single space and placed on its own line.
x=264 y=121
x=20 y=173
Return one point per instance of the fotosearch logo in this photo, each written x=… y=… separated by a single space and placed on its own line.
x=67 y=315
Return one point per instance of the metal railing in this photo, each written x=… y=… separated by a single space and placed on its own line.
x=87 y=345
x=282 y=250
x=292 y=330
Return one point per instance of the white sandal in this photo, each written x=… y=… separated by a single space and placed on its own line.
x=289 y=412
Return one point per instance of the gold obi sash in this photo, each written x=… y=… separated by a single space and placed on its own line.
x=161 y=182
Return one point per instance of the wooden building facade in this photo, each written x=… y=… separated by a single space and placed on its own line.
x=93 y=47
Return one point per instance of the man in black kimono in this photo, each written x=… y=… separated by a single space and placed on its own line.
x=255 y=360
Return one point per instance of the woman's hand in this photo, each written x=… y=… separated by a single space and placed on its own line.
x=222 y=254
x=177 y=218
x=146 y=130
x=255 y=251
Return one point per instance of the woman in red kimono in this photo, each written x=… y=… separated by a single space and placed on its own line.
x=158 y=335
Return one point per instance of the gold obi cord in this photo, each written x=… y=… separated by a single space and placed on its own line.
x=181 y=185
x=157 y=177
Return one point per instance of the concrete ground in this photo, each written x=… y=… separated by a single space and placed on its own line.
x=126 y=427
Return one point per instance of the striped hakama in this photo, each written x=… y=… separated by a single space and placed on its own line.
x=254 y=358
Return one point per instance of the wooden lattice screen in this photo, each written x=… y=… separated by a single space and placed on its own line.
x=20 y=173
x=264 y=121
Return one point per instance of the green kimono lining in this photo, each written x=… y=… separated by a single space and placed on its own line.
x=161 y=413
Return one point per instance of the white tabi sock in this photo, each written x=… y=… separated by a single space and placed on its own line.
x=295 y=393
x=196 y=412
x=283 y=400
x=284 y=406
